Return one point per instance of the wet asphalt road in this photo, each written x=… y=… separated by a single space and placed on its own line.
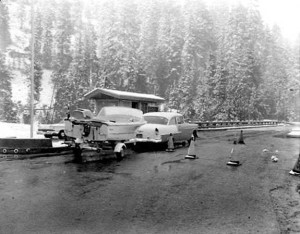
x=152 y=192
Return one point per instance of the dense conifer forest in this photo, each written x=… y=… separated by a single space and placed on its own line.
x=216 y=62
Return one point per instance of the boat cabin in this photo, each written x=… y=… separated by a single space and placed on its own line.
x=109 y=97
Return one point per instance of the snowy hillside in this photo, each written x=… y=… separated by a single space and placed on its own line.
x=20 y=41
x=21 y=87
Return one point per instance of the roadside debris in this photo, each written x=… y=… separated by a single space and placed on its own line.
x=274 y=158
x=274 y=153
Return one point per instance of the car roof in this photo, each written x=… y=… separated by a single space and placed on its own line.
x=119 y=110
x=163 y=114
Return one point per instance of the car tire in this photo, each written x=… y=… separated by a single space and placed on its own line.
x=47 y=135
x=137 y=148
x=61 y=134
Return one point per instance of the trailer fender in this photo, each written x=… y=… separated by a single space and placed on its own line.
x=78 y=141
x=119 y=147
x=119 y=151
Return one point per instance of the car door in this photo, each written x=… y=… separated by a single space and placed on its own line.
x=184 y=128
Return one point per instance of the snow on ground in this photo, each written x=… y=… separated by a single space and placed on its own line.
x=20 y=87
x=17 y=130
x=47 y=88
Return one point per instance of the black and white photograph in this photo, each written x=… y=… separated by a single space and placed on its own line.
x=149 y=116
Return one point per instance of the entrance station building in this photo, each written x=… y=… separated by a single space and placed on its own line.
x=110 y=97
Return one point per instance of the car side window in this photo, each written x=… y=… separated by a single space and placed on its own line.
x=172 y=121
x=179 y=120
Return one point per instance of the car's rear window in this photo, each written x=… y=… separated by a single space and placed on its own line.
x=156 y=120
x=78 y=114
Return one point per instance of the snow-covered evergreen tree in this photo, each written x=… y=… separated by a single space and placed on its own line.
x=7 y=110
x=219 y=62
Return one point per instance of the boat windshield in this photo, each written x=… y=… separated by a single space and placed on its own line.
x=120 y=114
x=82 y=114
x=156 y=120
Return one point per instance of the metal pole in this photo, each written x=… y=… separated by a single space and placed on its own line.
x=32 y=72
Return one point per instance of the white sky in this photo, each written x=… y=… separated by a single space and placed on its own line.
x=284 y=13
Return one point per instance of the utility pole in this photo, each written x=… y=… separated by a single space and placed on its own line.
x=32 y=72
x=297 y=104
x=296 y=169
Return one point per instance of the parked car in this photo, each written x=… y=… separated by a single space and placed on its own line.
x=52 y=130
x=159 y=126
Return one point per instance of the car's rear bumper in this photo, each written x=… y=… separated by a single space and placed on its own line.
x=48 y=133
x=145 y=140
x=41 y=132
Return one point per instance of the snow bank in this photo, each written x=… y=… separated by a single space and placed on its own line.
x=17 y=130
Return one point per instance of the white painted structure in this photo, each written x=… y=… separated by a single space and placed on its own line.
x=109 y=97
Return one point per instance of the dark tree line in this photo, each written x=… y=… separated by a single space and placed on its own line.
x=215 y=62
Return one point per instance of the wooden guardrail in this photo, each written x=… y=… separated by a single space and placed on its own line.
x=220 y=124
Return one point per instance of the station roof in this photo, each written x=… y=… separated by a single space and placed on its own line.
x=100 y=93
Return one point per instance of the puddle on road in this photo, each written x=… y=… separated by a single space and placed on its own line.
x=38 y=165
x=173 y=161
x=167 y=165
x=162 y=168
x=108 y=166
x=195 y=176
x=282 y=135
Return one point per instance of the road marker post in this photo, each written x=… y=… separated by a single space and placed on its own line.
x=296 y=169
x=171 y=147
x=241 y=138
x=191 y=150
x=231 y=162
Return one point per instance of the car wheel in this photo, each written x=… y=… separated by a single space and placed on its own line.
x=137 y=148
x=47 y=135
x=61 y=135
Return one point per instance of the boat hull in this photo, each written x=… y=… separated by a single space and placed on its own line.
x=101 y=131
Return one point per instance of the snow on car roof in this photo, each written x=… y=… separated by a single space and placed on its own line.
x=119 y=110
x=163 y=114
x=96 y=93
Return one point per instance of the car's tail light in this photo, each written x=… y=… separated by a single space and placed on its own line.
x=156 y=132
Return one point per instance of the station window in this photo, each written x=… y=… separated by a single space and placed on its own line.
x=135 y=105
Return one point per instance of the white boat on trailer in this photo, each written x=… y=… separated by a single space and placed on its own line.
x=113 y=127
